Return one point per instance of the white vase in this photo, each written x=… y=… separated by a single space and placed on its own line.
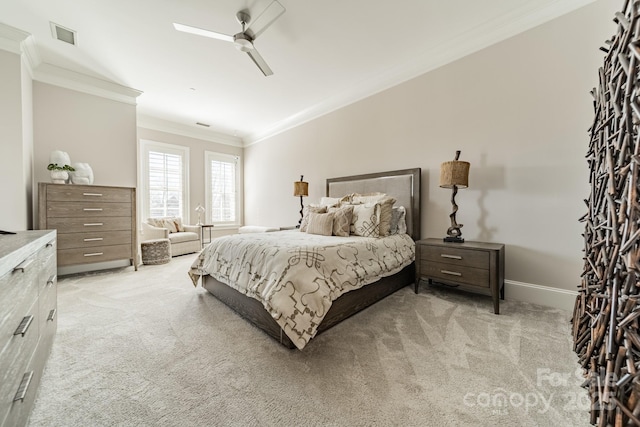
x=59 y=177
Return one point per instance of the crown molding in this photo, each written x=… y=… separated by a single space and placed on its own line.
x=442 y=53
x=57 y=76
x=160 y=125
x=11 y=38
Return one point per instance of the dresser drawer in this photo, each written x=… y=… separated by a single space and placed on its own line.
x=455 y=256
x=91 y=255
x=87 y=209
x=455 y=273
x=15 y=357
x=78 y=225
x=90 y=193
x=94 y=239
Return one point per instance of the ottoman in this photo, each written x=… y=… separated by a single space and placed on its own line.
x=154 y=252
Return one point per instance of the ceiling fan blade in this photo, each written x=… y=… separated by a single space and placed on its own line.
x=266 y=18
x=201 y=32
x=257 y=59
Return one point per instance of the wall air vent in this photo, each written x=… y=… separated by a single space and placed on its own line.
x=203 y=124
x=63 y=34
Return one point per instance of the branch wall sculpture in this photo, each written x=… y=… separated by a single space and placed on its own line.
x=606 y=315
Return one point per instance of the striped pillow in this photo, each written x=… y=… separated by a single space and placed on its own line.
x=320 y=223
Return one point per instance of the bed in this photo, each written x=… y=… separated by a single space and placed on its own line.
x=350 y=297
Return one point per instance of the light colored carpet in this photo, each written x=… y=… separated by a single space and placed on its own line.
x=147 y=349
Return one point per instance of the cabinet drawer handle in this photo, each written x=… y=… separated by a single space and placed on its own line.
x=92 y=194
x=93 y=224
x=451 y=256
x=24 y=386
x=93 y=239
x=94 y=254
x=51 y=279
x=23 y=265
x=452 y=273
x=92 y=209
x=24 y=325
x=50 y=244
x=52 y=314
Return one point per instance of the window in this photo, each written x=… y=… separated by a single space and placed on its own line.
x=222 y=176
x=164 y=179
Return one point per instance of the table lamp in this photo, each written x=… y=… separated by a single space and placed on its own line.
x=301 y=189
x=200 y=209
x=454 y=175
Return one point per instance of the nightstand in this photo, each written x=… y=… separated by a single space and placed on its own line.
x=471 y=266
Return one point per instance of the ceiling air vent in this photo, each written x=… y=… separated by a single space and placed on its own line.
x=63 y=34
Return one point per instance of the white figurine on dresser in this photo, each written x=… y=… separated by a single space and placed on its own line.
x=28 y=319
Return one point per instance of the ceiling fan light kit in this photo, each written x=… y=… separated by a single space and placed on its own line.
x=250 y=31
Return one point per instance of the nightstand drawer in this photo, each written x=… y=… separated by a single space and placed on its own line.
x=461 y=256
x=455 y=273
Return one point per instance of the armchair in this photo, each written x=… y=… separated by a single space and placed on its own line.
x=182 y=242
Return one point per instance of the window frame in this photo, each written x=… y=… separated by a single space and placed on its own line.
x=145 y=147
x=231 y=158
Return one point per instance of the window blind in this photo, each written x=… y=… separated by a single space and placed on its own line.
x=223 y=190
x=165 y=184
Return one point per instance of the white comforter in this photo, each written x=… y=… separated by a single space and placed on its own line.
x=297 y=275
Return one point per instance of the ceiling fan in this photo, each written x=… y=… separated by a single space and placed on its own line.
x=250 y=31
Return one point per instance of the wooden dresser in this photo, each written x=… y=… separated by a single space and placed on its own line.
x=28 y=322
x=471 y=266
x=94 y=223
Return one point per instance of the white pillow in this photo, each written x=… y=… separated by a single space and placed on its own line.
x=365 y=220
x=398 y=220
x=333 y=201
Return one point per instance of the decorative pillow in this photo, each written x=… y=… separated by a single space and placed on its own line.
x=173 y=224
x=332 y=201
x=357 y=198
x=342 y=220
x=320 y=223
x=386 y=207
x=398 y=215
x=366 y=220
x=305 y=214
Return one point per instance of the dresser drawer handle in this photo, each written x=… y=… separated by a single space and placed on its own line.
x=50 y=244
x=93 y=239
x=24 y=386
x=451 y=256
x=24 y=325
x=23 y=265
x=51 y=279
x=94 y=224
x=452 y=273
x=92 y=209
x=92 y=194
x=94 y=254
x=52 y=314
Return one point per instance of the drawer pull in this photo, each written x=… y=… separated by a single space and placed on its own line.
x=94 y=224
x=24 y=325
x=50 y=244
x=52 y=314
x=92 y=194
x=24 y=386
x=23 y=265
x=94 y=239
x=452 y=273
x=92 y=209
x=94 y=254
x=451 y=256
x=51 y=279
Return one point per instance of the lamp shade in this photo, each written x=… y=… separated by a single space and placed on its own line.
x=300 y=188
x=199 y=209
x=454 y=173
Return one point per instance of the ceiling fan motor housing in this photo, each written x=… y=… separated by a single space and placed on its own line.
x=243 y=42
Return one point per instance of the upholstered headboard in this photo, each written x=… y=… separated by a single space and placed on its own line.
x=403 y=185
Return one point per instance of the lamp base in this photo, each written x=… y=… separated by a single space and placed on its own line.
x=455 y=239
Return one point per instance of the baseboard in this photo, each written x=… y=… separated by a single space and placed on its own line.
x=537 y=294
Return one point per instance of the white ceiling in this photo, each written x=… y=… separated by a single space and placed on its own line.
x=324 y=53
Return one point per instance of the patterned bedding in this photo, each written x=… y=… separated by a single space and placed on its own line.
x=297 y=275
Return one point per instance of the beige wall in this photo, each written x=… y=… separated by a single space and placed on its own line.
x=197 y=148
x=15 y=142
x=91 y=129
x=518 y=110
